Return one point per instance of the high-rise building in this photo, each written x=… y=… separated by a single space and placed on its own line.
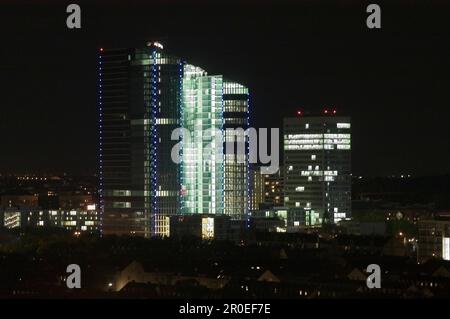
x=166 y=97
x=256 y=187
x=139 y=99
x=317 y=166
x=273 y=189
x=266 y=190
x=144 y=95
x=236 y=169
x=121 y=201
x=215 y=156
x=202 y=152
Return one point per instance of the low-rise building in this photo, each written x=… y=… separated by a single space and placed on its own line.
x=201 y=226
x=76 y=220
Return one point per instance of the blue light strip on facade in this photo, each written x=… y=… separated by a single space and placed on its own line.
x=247 y=210
x=100 y=128
x=154 y=136
x=181 y=125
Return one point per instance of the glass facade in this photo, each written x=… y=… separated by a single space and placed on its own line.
x=144 y=95
x=123 y=117
x=236 y=168
x=202 y=151
x=140 y=97
x=165 y=84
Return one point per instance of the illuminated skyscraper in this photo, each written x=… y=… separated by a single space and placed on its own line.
x=202 y=145
x=166 y=73
x=139 y=104
x=215 y=113
x=144 y=95
x=236 y=170
x=317 y=167
x=122 y=193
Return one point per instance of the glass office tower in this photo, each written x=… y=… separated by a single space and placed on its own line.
x=236 y=169
x=166 y=73
x=139 y=99
x=121 y=178
x=214 y=176
x=317 y=167
x=144 y=95
x=202 y=145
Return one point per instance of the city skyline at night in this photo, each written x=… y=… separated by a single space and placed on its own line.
x=145 y=96
x=291 y=57
x=235 y=157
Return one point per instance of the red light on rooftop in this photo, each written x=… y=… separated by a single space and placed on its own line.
x=101 y=49
x=299 y=113
x=334 y=111
x=325 y=111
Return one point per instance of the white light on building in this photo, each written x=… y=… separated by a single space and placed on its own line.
x=446 y=248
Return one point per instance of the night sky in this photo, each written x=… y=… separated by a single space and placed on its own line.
x=393 y=82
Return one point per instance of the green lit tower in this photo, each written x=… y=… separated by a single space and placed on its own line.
x=144 y=95
x=202 y=167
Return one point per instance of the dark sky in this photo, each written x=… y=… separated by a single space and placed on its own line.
x=393 y=82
